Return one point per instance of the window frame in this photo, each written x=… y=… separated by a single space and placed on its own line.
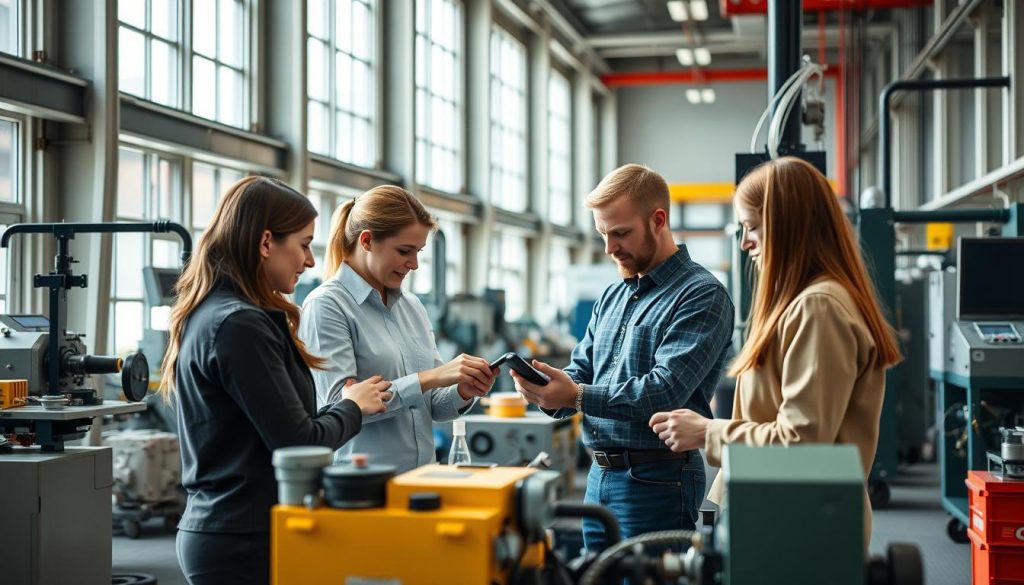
x=498 y=129
x=558 y=72
x=424 y=147
x=16 y=210
x=334 y=110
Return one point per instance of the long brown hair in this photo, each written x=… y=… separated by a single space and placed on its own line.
x=805 y=237
x=229 y=249
x=384 y=211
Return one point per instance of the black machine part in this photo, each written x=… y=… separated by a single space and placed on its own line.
x=356 y=485
x=135 y=377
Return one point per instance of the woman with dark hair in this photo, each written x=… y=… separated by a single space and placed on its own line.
x=361 y=321
x=812 y=369
x=240 y=379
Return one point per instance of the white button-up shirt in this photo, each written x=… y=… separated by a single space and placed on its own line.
x=345 y=321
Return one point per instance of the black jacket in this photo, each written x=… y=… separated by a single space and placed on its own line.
x=243 y=391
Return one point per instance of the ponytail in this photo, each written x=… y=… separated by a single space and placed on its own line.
x=337 y=244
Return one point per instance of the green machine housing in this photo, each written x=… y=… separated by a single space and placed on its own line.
x=779 y=500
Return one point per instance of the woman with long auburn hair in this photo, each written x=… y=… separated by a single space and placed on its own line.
x=812 y=369
x=240 y=379
x=361 y=321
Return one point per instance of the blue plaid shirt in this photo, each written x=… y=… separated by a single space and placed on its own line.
x=654 y=343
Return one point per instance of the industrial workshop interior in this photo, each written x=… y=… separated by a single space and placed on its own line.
x=527 y=292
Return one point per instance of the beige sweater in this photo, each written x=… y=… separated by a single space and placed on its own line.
x=819 y=384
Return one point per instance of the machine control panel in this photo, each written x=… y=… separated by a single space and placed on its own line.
x=25 y=322
x=998 y=333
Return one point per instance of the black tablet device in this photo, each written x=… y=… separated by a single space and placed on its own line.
x=521 y=367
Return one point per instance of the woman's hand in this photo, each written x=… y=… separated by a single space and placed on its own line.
x=473 y=375
x=370 y=394
x=682 y=430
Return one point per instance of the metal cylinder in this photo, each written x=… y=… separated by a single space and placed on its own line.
x=92 y=364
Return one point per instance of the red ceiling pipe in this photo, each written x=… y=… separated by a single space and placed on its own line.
x=730 y=8
x=690 y=76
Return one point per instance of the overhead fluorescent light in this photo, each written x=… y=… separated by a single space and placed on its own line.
x=699 y=9
x=685 y=57
x=693 y=96
x=702 y=56
x=677 y=10
x=707 y=95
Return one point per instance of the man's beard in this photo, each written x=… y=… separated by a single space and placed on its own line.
x=642 y=260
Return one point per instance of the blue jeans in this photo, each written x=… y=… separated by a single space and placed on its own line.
x=663 y=495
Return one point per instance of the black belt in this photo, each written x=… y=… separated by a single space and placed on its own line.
x=626 y=459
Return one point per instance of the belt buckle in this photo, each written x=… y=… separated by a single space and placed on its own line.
x=601 y=458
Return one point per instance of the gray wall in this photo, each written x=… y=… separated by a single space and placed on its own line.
x=695 y=143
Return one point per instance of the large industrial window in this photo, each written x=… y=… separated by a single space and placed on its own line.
x=10 y=20
x=149 y=48
x=10 y=198
x=559 y=149
x=508 y=121
x=9 y=176
x=439 y=119
x=341 y=79
x=154 y=35
x=220 y=44
x=148 y=188
x=508 y=272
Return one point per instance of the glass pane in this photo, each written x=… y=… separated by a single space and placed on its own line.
x=362 y=31
x=204 y=28
x=8 y=162
x=166 y=254
x=128 y=263
x=362 y=149
x=132 y=12
x=228 y=178
x=361 y=89
x=158 y=319
x=9 y=26
x=319 y=128
x=164 y=73
x=127 y=327
x=421 y=60
x=204 y=88
x=317 y=18
x=164 y=19
x=165 y=203
x=344 y=81
x=204 y=196
x=130 y=185
x=131 y=70
x=344 y=134
x=229 y=104
x=343 y=27
x=230 y=49
x=316 y=70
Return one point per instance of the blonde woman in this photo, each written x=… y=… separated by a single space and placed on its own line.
x=240 y=379
x=813 y=367
x=361 y=321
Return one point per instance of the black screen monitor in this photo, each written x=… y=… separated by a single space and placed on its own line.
x=160 y=285
x=990 y=279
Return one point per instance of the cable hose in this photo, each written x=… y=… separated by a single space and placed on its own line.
x=610 y=556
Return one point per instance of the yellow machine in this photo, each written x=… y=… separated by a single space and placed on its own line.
x=456 y=525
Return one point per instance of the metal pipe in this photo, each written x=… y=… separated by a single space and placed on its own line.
x=953 y=216
x=612 y=534
x=68 y=231
x=916 y=85
x=784 y=26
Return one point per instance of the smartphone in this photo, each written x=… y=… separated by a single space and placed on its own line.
x=522 y=367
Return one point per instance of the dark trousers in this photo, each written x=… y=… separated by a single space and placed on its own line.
x=661 y=495
x=211 y=558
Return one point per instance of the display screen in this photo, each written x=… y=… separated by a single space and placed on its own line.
x=31 y=321
x=997 y=329
x=990 y=278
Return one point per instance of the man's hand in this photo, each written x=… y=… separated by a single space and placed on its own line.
x=682 y=429
x=560 y=392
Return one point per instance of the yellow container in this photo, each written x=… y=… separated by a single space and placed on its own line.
x=507 y=405
x=13 y=393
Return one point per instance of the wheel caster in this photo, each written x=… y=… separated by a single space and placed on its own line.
x=879 y=493
x=131 y=529
x=957 y=531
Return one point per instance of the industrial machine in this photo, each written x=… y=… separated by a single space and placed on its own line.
x=468 y=524
x=982 y=384
x=56 y=498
